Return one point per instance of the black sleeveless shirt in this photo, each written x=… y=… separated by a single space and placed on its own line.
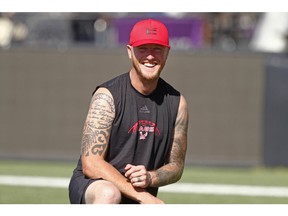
x=142 y=131
x=143 y=127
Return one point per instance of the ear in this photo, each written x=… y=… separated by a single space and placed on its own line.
x=129 y=51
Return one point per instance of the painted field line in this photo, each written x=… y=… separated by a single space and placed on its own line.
x=223 y=189
x=190 y=188
x=35 y=181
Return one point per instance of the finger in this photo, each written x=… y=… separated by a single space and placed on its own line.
x=136 y=179
x=137 y=173
x=139 y=183
x=139 y=179
x=133 y=171
x=129 y=170
x=128 y=166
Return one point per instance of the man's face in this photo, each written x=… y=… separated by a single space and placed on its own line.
x=148 y=60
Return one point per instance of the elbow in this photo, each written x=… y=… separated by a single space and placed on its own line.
x=87 y=170
x=90 y=170
x=178 y=175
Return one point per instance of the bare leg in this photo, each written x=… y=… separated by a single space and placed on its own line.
x=102 y=192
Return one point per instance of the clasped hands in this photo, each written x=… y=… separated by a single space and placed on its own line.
x=138 y=175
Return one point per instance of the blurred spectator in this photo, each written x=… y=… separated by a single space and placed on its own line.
x=11 y=30
x=271 y=33
x=82 y=25
x=6 y=30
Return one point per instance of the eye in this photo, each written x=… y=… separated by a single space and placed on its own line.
x=142 y=49
x=157 y=50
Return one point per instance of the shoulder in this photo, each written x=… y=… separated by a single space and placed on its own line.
x=118 y=80
x=115 y=82
x=182 y=114
x=169 y=88
x=183 y=103
x=103 y=96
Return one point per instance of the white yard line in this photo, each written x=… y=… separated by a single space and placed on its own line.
x=223 y=189
x=190 y=188
x=35 y=181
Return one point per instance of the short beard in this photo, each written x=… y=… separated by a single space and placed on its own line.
x=142 y=75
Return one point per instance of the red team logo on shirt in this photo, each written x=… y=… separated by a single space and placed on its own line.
x=144 y=127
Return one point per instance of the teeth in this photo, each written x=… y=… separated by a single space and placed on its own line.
x=149 y=65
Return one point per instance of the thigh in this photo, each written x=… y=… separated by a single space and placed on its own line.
x=102 y=191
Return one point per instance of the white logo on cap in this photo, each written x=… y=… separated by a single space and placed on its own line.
x=151 y=31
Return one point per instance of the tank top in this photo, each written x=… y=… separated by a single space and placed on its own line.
x=142 y=131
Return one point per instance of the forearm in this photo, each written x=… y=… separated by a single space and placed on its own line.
x=168 y=174
x=172 y=171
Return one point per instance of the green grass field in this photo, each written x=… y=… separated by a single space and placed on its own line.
x=236 y=176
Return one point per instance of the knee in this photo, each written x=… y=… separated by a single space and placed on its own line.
x=103 y=193
x=110 y=195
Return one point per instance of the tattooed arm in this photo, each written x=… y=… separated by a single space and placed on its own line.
x=172 y=171
x=95 y=142
x=96 y=132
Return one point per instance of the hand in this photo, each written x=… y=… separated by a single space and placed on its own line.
x=138 y=175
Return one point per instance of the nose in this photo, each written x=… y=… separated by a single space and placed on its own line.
x=150 y=54
x=150 y=57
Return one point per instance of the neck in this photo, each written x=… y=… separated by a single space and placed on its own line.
x=143 y=86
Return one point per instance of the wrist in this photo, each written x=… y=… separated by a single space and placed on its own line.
x=149 y=179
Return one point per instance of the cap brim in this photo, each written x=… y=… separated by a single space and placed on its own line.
x=149 y=41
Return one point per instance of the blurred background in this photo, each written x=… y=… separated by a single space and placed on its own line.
x=231 y=67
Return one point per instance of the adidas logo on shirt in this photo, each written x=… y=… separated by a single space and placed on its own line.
x=144 y=109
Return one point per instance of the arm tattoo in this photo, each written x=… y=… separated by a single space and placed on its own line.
x=97 y=127
x=178 y=150
x=101 y=111
x=172 y=171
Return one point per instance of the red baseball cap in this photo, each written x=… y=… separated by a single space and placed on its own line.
x=149 y=32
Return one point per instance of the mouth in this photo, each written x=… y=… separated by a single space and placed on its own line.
x=149 y=64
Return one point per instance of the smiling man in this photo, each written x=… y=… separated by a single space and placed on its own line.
x=135 y=134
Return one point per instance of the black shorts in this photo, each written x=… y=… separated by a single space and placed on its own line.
x=79 y=184
x=77 y=188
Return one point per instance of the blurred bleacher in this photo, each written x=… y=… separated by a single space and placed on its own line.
x=188 y=31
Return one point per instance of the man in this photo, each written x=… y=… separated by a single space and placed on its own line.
x=135 y=134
